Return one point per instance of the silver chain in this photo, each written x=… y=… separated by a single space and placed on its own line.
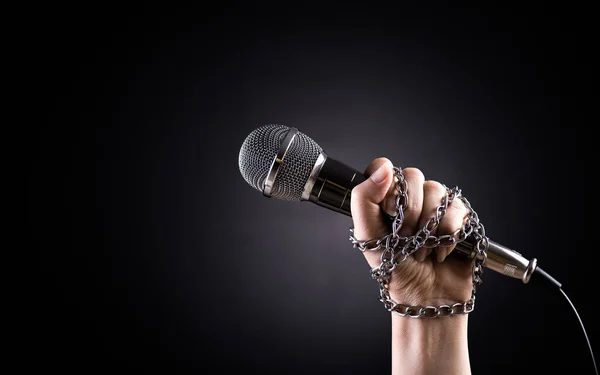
x=397 y=248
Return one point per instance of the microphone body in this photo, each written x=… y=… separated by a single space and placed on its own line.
x=329 y=184
x=332 y=185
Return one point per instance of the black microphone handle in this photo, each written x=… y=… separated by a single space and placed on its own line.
x=332 y=189
x=333 y=186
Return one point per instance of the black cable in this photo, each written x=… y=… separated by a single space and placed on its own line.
x=557 y=285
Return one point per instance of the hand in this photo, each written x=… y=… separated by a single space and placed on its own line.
x=429 y=276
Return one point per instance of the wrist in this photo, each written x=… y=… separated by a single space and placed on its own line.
x=430 y=345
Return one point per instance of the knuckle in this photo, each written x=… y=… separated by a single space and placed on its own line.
x=358 y=193
x=458 y=207
x=415 y=178
x=376 y=163
x=450 y=223
x=414 y=174
x=412 y=205
x=381 y=160
x=453 y=218
x=434 y=187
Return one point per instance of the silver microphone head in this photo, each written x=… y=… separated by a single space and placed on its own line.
x=262 y=154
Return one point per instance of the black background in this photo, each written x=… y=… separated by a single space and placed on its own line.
x=156 y=256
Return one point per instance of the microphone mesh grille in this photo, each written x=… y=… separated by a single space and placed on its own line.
x=260 y=148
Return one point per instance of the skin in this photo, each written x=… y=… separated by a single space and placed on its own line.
x=427 y=278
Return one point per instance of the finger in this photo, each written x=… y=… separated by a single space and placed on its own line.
x=453 y=219
x=389 y=202
x=367 y=197
x=433 y=196
x=422 y=253
x=413 y=206
x=365 y=205
x=414 y=203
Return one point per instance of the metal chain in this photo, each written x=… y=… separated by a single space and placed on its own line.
x=397 y=248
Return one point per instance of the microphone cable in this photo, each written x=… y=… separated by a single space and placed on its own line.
x=544 y=275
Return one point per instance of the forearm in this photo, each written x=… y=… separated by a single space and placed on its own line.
x=430 y=346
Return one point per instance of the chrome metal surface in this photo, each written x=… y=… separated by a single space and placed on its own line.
x=313 y=176
x=278 y=160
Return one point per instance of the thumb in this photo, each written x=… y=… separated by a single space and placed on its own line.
x=366 y=198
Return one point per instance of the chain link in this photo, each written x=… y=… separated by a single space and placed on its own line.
x=397 y=248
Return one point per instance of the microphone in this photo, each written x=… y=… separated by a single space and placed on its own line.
x=283 y=163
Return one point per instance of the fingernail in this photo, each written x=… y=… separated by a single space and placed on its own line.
x=379 y=175
x=441 y=255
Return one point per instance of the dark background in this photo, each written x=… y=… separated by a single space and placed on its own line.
x=155 y=254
